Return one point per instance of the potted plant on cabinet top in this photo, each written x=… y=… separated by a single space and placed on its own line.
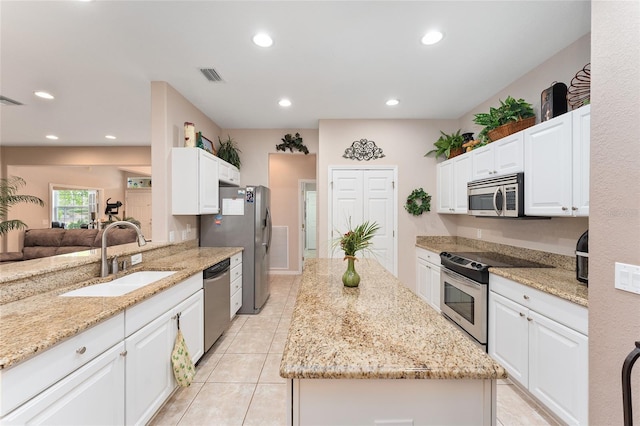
x=447 y=145
x=510 y=117
x=229 y=151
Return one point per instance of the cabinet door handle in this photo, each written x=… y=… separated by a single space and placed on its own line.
x=521 y=314
x=564 y=209
x=81 y=350
x=529 y=319
x=123 y=353
x=574 y=208
x=526 y=297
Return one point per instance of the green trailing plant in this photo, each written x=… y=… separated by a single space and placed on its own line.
x=446 y=143
x=418 y=202
x=229 y=151
x=8 y=198
x=291 y=142
x=509 y=110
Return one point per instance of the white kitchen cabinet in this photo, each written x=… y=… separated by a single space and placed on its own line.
x=149 y=375
x=235 y=301
x=428 y=277
x=228 y=174
x=556 y=168
x=453 y=176
x=92 y=395
x=194 y=182
x=542 y=342
x=149 y=378
x=502 y=157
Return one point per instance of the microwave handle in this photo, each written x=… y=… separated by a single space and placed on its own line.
x=495 y=206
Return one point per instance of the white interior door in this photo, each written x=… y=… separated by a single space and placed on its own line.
x=310 y=220
x=361 y=194
x=138 y=206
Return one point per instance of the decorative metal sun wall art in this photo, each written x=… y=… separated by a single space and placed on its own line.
x=363 y=150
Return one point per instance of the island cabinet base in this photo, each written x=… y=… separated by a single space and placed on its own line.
x=391 y=402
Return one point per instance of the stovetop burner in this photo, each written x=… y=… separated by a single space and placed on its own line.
x=475 y=265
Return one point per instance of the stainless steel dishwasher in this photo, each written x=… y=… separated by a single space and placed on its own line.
x=216 y=301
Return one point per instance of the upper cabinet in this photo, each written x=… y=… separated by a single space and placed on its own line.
x=194 y=178
x=228 y=174
x=556 y=165
x=502 y=157
x=453 y=176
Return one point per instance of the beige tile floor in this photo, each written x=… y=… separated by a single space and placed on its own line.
x=238 y=382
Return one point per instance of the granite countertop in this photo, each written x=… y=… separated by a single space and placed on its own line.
x=37 y=322
x=379 y=330
x=558 y=280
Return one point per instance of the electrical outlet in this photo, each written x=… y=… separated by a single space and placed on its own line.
x=184 y=235
x=188 y=228
x=627 y=277
x=136 y=258
x=172 y=236
x=479 y=233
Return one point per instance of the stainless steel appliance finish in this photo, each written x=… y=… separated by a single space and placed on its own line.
x=464 y=279
x=582 y=258
x=217 y=288
x=501 y=196
x=464 y=301
x=244 y=221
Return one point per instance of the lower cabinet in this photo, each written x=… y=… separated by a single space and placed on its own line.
x=124 y=382
x=235 y=301
x=91 y=395
x=542 y=343
x=428 y=277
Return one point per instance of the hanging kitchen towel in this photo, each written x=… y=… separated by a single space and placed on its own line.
x=183 y=369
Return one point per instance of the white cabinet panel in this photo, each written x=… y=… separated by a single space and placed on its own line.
x=508 y=336
x=191 y=313
x=453 y=176
x=92 y=395
x=504 y=156
x=428 y=277
x=149 y=377
x=194 y=177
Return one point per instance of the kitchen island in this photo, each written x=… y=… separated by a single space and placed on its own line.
x=377 y=354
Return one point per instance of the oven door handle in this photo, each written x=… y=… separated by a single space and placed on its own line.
x=464 y=280
x=495 y=206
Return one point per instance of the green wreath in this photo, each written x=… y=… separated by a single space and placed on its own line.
x=418 y=202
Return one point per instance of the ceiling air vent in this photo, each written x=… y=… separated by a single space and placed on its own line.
x=211 y=74
x=6 y=101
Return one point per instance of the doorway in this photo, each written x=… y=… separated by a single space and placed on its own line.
x=308 y=218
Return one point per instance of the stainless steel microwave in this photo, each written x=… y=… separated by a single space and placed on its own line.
x=501 y=196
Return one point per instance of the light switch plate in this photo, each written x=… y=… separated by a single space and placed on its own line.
x=627 y=277
x=136 y=258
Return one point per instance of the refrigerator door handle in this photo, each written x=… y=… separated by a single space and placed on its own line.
x=268 y=225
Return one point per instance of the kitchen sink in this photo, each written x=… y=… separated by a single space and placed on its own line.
x=120 y=286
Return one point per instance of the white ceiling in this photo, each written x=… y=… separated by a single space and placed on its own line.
x=332 y=59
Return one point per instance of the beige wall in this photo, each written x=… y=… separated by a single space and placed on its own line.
x=614 y=315
x=257 y=144
x=285 y=173
x=169 y=111
x=404 y=143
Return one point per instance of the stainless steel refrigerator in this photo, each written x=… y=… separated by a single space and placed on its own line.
x=244 y=221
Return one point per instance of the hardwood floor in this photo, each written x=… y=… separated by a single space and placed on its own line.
x=238 y=380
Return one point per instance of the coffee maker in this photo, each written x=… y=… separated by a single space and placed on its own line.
x=582 y=258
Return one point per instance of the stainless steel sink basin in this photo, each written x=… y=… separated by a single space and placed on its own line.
x=120 y=286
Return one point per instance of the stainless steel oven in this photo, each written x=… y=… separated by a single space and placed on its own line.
x=464 y=301
x=464 y=283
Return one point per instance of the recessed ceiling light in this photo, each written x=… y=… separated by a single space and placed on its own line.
x=262 y=40
x=432 y=37
x=284 y=102
x=52 y=137
x=392 y=102
x=110 y=137
x=43 y=95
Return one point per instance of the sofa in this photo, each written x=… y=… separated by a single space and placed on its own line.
x=53 y=241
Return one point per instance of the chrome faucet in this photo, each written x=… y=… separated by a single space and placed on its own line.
x=103 y=253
